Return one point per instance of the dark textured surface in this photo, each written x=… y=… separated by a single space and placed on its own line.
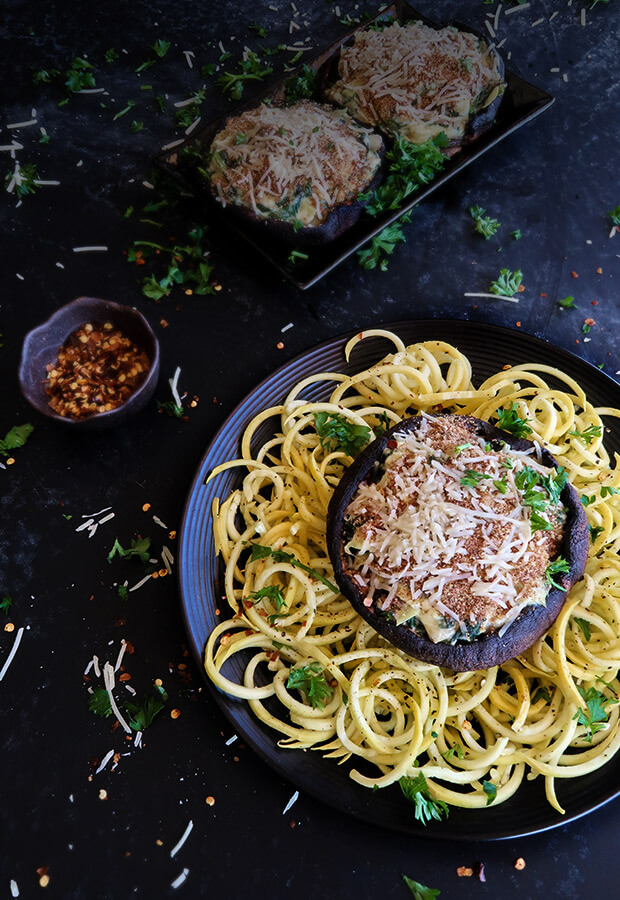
x=554 y=179
x=492 y=649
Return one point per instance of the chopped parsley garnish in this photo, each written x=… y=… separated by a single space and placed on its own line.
x=5 y=603
x=595 y=532
x=311 y=681
x=125 y=110
x=272 y=593
x=338 y=433
x=383 y=245
x=187 y=265
x=15 y=438
x=471 y=478
x=607 y=490
x=260 y=551
x=136 y=126
x=539 y=523
x=490 y=790
x=111 y=55
x=99 y=703
x=567 y=303
x=586 y=328
x=614 y=214
x=26 y=178
x=383 y=425
x=559 y=566
x=501 y=485
x=416 y=790
x=250 y=69
x=170 y=408
x=143 y=711
x=260 y=30
x=44 y=76
x=420 y=891
x=123 y=591
x=595 y=717
x=295 y=255
x=160 y=48
x=508 y=419
x=241 y=138
x=80 y=76
x=507 y=284
x=586 y=501
x=588 y=434
x=455 y=749
x=484 y=225
x=302 y=86
x=186 y=115
x=139 y=547
x=410 y=166
x=542 y=694
x=584 y=625
x=462 y=447
x=516 y=234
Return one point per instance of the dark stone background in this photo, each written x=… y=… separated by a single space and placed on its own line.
x=555 y=179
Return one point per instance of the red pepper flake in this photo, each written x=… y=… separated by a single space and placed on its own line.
x=595 y=303
x=518 y=324
x=292 y=823
x=506 y=367
x=43 y=870
x=125 y=677
x=574 y=275
x=164 y=323
x=520 y=864
x=520 y=289
x=589 y=321
x=224 y=639
x=392 y=444
x=599 y=271
x=210 y=801
x=248 y=632
x=464 y=872
x=280 y=345
x=542 y=295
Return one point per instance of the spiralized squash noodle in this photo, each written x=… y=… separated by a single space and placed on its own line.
x=389 y=715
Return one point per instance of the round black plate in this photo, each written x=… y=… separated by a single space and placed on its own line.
x=488 y=347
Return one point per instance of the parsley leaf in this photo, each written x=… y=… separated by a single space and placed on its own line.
x=160 y=48
x=471 y=478
x=595 y=532
x=508 y=419
x=187 y=265
x=99 y=703
x=111 y=55
x=559 y=566
x=420 y=891
x=542 y=694
x=15 y=438
x=273 y=594
x=250 y=69
x=310 y=680
x=409 y=167
x=484 y=225
x=80 y=76
x=143 y=711
x=294 y=255
x=260 y=551
x=260 y=30
x=384 y=425
x=5 y=604
x=607 y=490
x=302 y=86
x=416 y=790
x=567 y=303
x=507 y=284
x=584 y=625
x=383 y=245
x=26 y=178
x=516 y=234
x=139 y=547
x=501 y=485
x=595 y=716
x=539 y=523
x=455 y=748
x=123 y=591
x=490 y=790
x=614 y=214
x=588 y=435
x=338 y=433
x=170 y=408
x=123 y=112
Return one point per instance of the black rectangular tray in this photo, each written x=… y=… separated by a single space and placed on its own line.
x=521 y=103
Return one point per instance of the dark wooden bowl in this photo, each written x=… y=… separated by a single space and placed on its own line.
x=490 y=649
x=41 y=346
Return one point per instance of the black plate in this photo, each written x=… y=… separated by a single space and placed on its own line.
x=488 y=347
x=521 y=103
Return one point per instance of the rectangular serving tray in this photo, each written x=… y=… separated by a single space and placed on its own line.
x=522 y=102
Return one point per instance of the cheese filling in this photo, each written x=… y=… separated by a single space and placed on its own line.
x=454 y=537
x=294 y=163
x=416 y=81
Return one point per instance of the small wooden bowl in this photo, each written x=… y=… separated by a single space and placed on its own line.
x=41 y=346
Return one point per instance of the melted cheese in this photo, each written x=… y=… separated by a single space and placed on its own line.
x=417 y=81
x=457 y=559
x=293 y=163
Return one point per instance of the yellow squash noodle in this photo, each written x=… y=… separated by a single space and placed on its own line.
x=551 y=713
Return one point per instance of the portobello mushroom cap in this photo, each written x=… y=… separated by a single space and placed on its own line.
x=489 y=649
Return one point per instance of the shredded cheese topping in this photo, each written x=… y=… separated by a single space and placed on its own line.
x=444 y=540
x=294 y=163
x=417 y=81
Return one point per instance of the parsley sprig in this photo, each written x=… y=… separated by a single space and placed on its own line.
x=187 y=265
x=420 y=891
x=15 y=438
x=409 y=167
x=139 y=547
x=260 y=551
x=80 y=76
x=338 y=433
x=588 y=434
x=250 y=69
x=5 y=603
x=484 y=225
x=508 y=419
x=472 y=478
x=417 y=791
x=595 y=716
x=614 y=214
x=507 y=284
x=302 y=86
x=141 y=712
x=26 y=178
x=559 y=566
x=311 y=681
x=383 y=245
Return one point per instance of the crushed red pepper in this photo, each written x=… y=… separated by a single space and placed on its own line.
x=97 y=369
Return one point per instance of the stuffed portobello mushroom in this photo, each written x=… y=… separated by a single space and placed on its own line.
x=457 y=541
x=415 y=82
x=299 y=170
